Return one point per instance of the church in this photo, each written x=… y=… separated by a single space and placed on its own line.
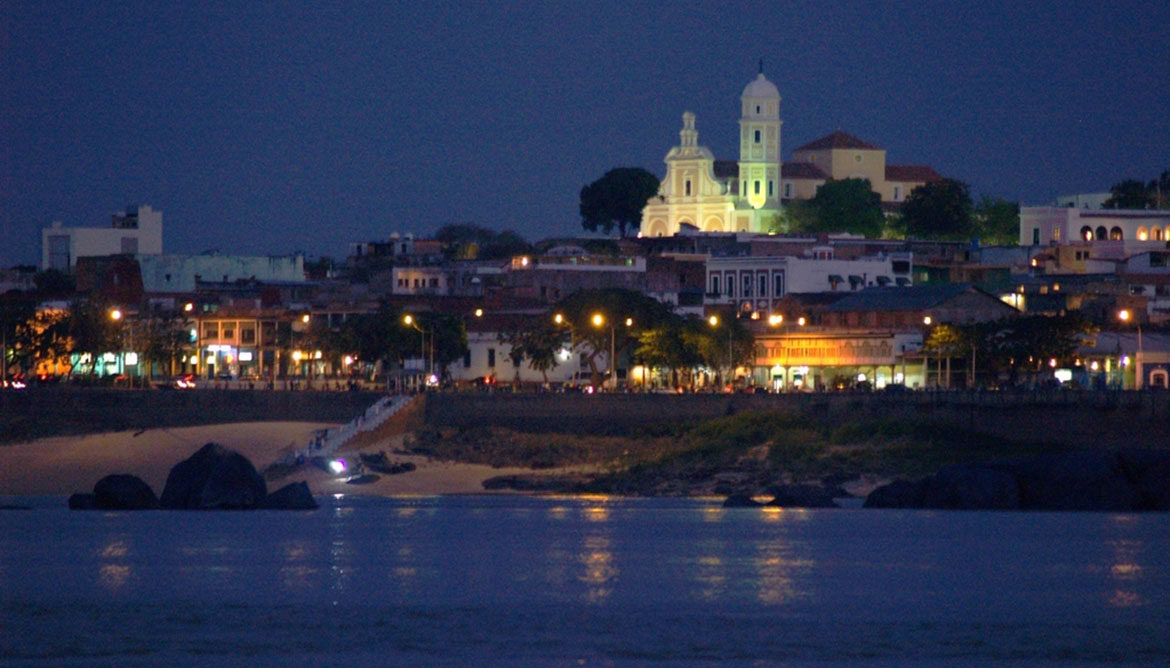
x=746 y=195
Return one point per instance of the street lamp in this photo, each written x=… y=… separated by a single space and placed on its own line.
x=714 y=321
x=411 y=321
x=1124 y=315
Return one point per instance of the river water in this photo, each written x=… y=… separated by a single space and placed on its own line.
x=519 y=581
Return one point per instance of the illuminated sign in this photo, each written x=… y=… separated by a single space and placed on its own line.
x=826 y=351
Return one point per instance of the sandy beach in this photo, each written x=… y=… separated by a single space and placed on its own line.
x=64 y=465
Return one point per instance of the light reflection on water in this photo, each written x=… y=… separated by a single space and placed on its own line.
x=957 y=582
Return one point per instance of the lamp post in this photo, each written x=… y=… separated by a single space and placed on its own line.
x=411 y=321
x=714 y=320
x=1124 y=315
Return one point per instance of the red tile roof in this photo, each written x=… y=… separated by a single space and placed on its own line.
x=802 y=170
x=837 y=139
x=911 y=174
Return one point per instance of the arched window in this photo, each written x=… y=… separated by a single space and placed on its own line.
x=1156 y=234
x=1143 y=234
x=1087 y=233
x=1102 y=233
x=1115 y=233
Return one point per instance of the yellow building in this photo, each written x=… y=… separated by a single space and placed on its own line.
x=745 y=195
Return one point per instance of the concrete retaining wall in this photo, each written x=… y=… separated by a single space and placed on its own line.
x=38 y=412
x=1108 y=419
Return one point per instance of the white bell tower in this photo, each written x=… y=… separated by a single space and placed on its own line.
x=759 y=146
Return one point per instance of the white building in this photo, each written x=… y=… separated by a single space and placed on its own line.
x=745 y=195
x=754 y=283
x=179 y=273
x=135 y=231
x=1110 y=233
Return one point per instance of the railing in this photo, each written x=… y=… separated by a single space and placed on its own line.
x=329 y=441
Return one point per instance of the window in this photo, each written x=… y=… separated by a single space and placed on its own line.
x=1087 y=233
x=747 y=285
x=1056 y=234
x=1115 y=234
x=1102 y=233
x=757 y=136
x=788 y=190
x=745 y=188
x=757 y=187
x=229 y=331
x=491 y=358
x=770 y=193
x=731 y=286
x=688 y=187
x=897 y=193
x=516 y=361
x=211 y=330
x=467 y=359
x=248 y=334
x=1035 y=236
x=762 y=282
x=434 y=282
x=757 y=111
x=714 y=285
x=777 y=285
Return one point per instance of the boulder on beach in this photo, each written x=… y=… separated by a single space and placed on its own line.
x=214 y=478
x=897 y=494
x=972 y=488
x=1075 y=481
x=124 y=492
x=293 y=496
x=741 y=501
x=82 y=501
x=802 y=496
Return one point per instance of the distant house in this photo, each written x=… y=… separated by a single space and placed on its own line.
x=135 y=231
x=902 y=308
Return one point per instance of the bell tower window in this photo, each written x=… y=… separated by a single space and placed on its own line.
x=757 y=136
x=688 y=187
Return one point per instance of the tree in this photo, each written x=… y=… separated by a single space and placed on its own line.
x=1159 y=190
x=997 y=221
x=467 y=241
x=1129 y=194
x=617 y=199
x=939 y=210
x=537 y=339
x=615 y=306
x=796 y=216
x=848 y=205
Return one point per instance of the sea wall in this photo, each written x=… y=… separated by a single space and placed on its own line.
x=49 y=411
x=1080 y=419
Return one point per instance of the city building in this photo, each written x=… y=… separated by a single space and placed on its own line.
x=135 y=231
x=564 y=270
x=1108 y=233
x=745 y=195
x=755 y=283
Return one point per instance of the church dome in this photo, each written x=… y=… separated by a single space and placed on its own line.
x=761 y=87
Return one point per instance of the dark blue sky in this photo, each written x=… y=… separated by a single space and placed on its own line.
x=273 y=127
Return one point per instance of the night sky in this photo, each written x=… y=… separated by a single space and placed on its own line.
x=268 y=128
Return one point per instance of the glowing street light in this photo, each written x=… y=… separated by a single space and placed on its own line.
x=1125 y=315
x=411 y=321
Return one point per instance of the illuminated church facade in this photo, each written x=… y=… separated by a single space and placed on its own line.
x=746 y=195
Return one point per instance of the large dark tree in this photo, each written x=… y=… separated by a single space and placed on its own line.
x=997 y=221
x=617 y=199
x=939 y=210
x=467 y=241
x=848 y=205
x=1129 y=194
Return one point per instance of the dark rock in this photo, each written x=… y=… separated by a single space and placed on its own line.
x=124 y=492
x=214 y=478
x=972 y=488
x=363 y=479
x=897 y=494
x=741 y=501
x=1149 y=472
x=1076 y=481
x=803 y=496
x=293 y=496
x=83 y=502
